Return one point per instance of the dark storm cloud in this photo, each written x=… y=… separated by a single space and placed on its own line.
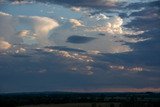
x=45 y=74
x=131 y=60
x=44 y=70
x=20 y=55
x=83 y=3
x=41 y=71
x=102 y=34
x=145 y=53
x=146 y=19
x=79 y=39
x=149 y=8
x=49 y=72
x=139 y=5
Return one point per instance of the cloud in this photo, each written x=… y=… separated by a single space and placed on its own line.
x=70 y=55
x=94 y=52
x=137 y=69
x=21 y=2
x=79 y=39
x=8 y=28
x=20 y=50
x=64 y=48
x=1 y=1
x=124 y=68
x=146 y=18
x=113 y=26
x=86 y=3
x=24 y=33
x=75 y=23
x=76 y=9
x=120 y=49
x=39 y=28
x=99 y=16
x=4 y=45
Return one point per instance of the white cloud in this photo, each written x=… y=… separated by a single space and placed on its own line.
x=125 y=68
x=20 y=50
x=4 y=45
x=76 y=9
x=24 y=33
x=70 y=55
x=100 y=17
x=39 y=28
x=113 y=26
x=75 y=23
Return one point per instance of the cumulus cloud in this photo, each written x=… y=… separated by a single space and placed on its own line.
x=76 y=9
x=4 y=45
x=39 y=28
x=113 y=26
x=75 y=23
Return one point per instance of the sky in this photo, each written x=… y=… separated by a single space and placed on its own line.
x=79 y=45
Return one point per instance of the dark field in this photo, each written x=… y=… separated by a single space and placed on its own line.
x=69 y=99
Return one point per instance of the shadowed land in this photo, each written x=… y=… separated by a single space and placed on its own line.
x=71 y=99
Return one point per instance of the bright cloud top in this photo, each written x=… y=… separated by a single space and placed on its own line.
x=39 y=28
x=75 y=23
x=4 y=45
x=112 y=25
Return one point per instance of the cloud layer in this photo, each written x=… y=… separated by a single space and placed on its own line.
x=86 y=3
x=110 y=44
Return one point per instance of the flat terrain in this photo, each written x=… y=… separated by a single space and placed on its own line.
x=77 y=105
x=70 y=99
